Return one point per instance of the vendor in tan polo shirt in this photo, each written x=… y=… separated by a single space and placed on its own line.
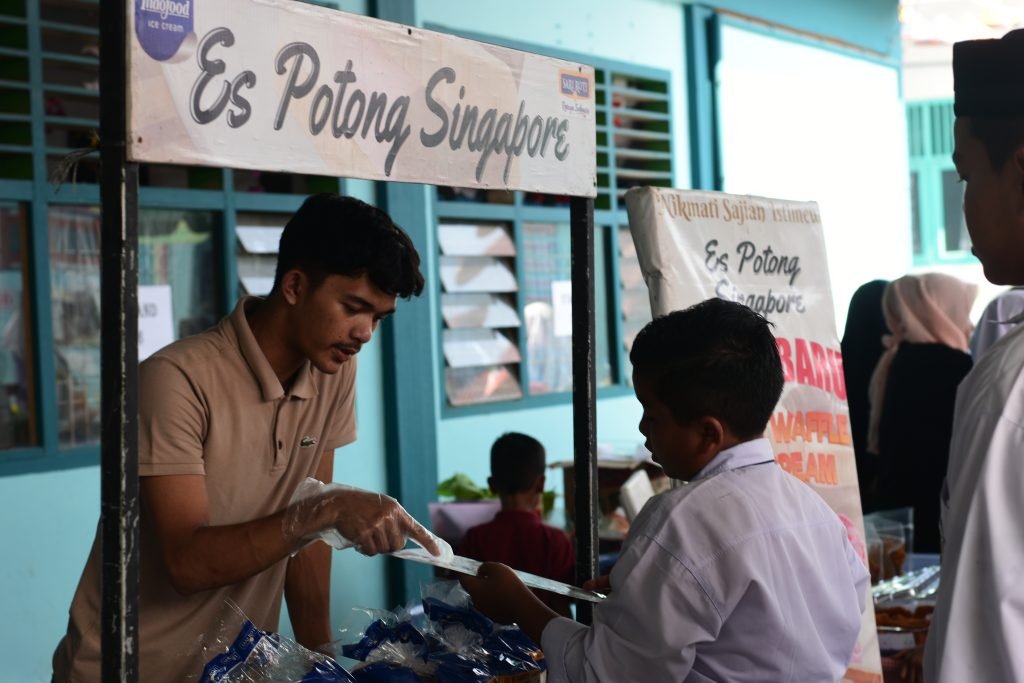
x=230 y=422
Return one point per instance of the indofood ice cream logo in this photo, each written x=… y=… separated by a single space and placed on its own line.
x=163 y=26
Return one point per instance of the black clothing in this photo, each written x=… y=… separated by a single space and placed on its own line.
x=914 y=433
x=862 y=347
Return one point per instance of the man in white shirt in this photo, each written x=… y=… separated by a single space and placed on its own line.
x=977 y=631
x=742 y=573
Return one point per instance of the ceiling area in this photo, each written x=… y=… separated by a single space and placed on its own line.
x=947 y=21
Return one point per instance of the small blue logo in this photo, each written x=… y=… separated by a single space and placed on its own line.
x=162 y=26
x=574 y=85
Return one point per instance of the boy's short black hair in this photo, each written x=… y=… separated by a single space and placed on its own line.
x=717 y=358
x=516 y=462
x=335 y=235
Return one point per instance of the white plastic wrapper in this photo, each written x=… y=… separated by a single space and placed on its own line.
x=313 y=495
x=464 y=565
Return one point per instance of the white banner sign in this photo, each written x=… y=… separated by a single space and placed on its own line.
x=768 y=254
x=561 y=307
x=286 y=86
x=156 y=320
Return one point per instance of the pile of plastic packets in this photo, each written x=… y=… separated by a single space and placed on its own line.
x=448 y=642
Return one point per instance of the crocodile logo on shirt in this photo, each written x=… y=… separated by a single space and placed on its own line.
x=307 y=442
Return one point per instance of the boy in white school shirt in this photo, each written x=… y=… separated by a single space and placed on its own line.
x=742 y=573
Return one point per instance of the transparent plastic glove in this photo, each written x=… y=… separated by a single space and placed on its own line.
x=347 y=517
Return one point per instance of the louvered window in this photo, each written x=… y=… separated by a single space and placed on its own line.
x=506 y=315
x=480 y=338
x=258 y=236
x=637 y=123
x=938 y=229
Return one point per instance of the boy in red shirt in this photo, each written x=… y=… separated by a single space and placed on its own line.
x=517 y=536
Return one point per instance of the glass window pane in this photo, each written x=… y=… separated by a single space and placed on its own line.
x=175 y=249
x=478 y=346
x=602 y=329
x=259 y=235
x=547 y=310
x=477 y=274
x=915 y=214
x=475 y=240
x=546 y=261
x=17 y=388
x=636 y=305
x=74 y=237
x=466 y=386
x=956 y=238
x=478 y=310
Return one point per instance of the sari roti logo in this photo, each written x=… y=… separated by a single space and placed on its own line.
x=163 y=25
x=573 y=85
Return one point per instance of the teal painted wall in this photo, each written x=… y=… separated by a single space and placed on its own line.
x=50 y=520
x=464 y=443
x=48 y=526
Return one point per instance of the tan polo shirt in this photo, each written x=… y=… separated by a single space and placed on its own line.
x=211 y=405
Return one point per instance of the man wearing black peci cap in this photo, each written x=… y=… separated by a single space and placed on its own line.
x=977 y=632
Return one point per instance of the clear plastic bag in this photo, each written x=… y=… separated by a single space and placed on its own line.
x=453 y=644
x=256 y=656
x=890 y=538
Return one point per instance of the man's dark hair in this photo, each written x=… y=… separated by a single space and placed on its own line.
x=717 y=358
x=335 y=235
x=516 y=462
x=1000 y=135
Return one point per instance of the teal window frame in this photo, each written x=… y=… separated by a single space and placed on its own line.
x=930 y=147
x=38 y=194
x=607 y=222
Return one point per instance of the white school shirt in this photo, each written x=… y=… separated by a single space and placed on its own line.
x=742 y=574
x=977 y=630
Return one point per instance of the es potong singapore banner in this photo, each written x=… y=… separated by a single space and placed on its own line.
x=768 y=254
x=288 y=86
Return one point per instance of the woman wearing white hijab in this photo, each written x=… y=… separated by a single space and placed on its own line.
x=913 y=392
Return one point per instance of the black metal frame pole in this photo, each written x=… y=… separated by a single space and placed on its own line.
x=119 y=355
x=584 y=393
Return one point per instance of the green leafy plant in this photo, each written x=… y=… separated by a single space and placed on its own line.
x=463 y=489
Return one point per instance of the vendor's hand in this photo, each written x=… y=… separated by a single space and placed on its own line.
x=599 y=584
x=498 y=592
x=373 y=522
x=376 y=523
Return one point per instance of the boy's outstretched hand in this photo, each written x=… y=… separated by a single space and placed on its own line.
x=600 y=584
x=498 y=593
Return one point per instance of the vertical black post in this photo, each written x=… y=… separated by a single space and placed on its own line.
x=584 y=393
x=119 y=243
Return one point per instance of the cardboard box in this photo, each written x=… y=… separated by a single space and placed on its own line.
x=451 y=521
x=612 y=473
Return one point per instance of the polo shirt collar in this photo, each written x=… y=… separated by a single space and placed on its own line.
x=754 y=452
x=303 y=386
